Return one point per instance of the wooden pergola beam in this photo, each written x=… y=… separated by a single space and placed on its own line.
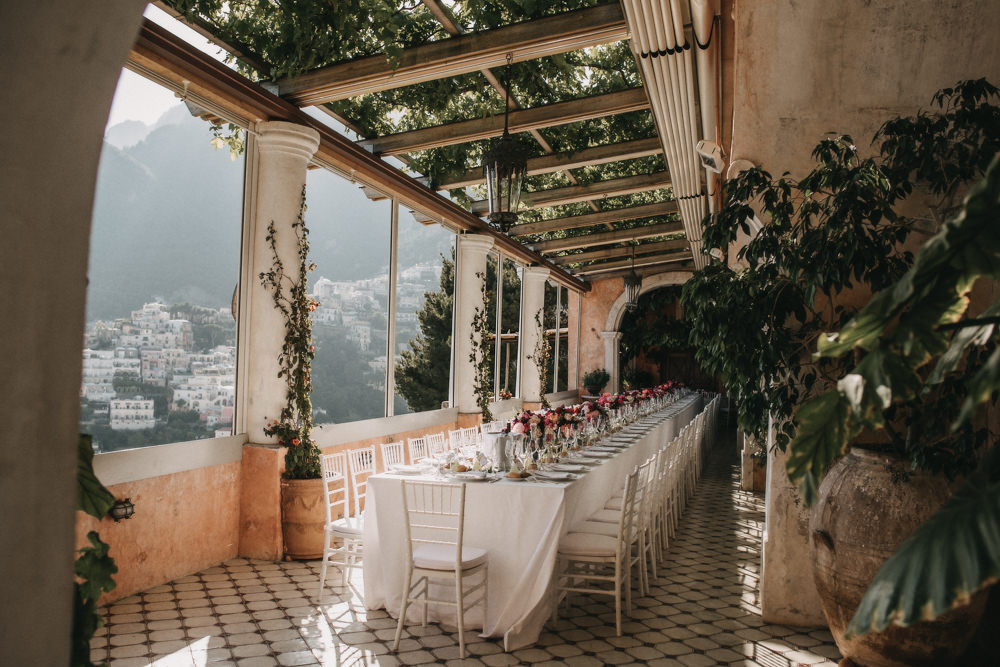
x=639 y=261
x=547 y=164
x=679 y=264
x=576 y=193
x=472 y=52
x=165 y=56
x=625 y=251
x=560 y=113
x=604 y=238
x=601 y=218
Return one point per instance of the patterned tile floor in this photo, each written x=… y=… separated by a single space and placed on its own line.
x=703 y=610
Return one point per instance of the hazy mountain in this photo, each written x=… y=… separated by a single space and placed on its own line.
x=127 y=133
x=167 y=222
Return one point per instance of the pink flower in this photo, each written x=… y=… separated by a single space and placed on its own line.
x=517 y=428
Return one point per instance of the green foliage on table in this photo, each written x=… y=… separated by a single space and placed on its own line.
x=832 y=233
x=290 y=296
x=94 y=568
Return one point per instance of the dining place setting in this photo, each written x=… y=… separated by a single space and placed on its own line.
x=493 y=509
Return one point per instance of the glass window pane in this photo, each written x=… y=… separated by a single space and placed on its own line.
x=349 y=242
x=425 y=285
x=510 y=327
x=549 y=326
x=159 y=359
x=564 y=339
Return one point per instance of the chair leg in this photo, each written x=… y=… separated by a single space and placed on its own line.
x=461 y=614
x=618 y=599
x=402 y=612
x=322 y=569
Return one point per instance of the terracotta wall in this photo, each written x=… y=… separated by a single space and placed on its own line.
x=593 y=316
x=183 y=522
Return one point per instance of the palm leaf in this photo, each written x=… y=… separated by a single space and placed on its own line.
x=951 y=556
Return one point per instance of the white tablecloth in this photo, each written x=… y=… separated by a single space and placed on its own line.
x=519 y=523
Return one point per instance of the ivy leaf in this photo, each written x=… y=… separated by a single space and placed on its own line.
x=91 y=496
x=960 y=545
x=95 y=567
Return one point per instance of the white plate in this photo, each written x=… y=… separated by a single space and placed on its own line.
x=470 y=476
x=407 y=469
x=601 y=455
x=552 y=475
x=567 y=467
x=584 y=459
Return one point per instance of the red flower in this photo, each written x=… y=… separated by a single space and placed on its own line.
x=295 y=442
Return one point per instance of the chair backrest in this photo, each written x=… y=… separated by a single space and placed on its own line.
x=455 y=439
x=627 y=523
x=435 y=514
x=392 y=453
x=334 y=485
x=436 y=444
x=471 y=437
x=644 y=490
x=418 y=449
x=361 y=461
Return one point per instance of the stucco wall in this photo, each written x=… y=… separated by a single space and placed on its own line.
x=807 y=67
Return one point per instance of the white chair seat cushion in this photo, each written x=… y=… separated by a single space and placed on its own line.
x=597 y=528
x=442 y=556
x=614 y=504
x=588 y=544
x=348 y=525
x=606 y=516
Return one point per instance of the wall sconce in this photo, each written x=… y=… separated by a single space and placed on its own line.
x=122 y=509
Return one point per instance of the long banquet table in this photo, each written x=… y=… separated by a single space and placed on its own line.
x=520 y=523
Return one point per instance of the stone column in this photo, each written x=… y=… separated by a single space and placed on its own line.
x=611 y=339
x=472 y=250
x=532 y=300
x=787 y=593
x=282 y=153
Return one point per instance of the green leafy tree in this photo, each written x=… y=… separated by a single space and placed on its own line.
x=424 y=370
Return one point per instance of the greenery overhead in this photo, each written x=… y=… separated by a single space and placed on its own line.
x=286 y=39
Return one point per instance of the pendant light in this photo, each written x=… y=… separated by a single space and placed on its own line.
x=505 y=165
x=633 y=282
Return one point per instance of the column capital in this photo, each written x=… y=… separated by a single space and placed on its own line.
x=475 y=243
x=277 y=136
x=612 y=336
x=535 y=273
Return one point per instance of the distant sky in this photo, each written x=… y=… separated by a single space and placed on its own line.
x=142 y=99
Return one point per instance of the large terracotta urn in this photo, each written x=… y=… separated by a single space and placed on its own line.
x=303 y=518
x=867 y=508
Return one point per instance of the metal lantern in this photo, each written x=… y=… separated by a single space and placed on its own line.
x=122 y=509
x=504 y=165
x=633 y=282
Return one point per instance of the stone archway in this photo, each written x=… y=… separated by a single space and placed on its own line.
x=47 y=182
x=611 y=333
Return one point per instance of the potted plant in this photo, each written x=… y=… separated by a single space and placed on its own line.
x=832 y=238
x=595 y=381
x=302 y=513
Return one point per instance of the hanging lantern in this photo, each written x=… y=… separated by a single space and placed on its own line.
x=504 y=165
x=633 y=282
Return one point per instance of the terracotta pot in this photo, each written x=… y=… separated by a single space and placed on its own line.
x=302 y=518
x=860 y=520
